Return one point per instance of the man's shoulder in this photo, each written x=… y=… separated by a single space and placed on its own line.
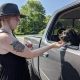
x=4 y=37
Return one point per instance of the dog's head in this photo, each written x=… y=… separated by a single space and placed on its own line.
x=70 y=35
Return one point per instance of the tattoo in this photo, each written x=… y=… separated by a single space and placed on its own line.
x=18 y=46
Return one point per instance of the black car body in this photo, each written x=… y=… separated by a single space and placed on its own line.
x=55 y=65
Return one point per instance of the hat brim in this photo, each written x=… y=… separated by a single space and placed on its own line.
x=22 y=16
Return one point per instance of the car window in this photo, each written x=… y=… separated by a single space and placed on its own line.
x=63 y=24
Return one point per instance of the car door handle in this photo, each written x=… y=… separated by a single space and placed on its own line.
x=46 y=54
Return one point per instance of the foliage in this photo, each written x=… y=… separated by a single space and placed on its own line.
x=35 y=20
x=42 y=32
x=46 y=21
x=47 y=18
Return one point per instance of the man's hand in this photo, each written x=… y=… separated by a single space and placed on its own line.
x=58 y=44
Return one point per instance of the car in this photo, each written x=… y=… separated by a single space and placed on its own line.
x=53 y=64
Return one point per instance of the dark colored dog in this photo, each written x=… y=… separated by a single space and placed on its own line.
x=71 y=36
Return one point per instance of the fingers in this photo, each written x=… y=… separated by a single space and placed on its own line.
x=58 y=44
x=28 y=44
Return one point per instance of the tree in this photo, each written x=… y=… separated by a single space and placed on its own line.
x=47 y=18
x=46 y=21
x=35 y=20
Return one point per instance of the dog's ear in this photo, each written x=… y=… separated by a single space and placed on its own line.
x=73 y=37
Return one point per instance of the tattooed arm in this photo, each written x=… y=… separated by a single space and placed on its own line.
x=18 y=46
x=19 y=49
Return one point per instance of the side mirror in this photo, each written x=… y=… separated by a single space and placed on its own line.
x=73 y=47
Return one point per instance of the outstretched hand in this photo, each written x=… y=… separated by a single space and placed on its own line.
x=58 y=44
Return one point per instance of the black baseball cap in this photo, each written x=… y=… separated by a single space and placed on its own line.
x=10 y=9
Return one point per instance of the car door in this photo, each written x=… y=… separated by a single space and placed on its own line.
x=62 y=63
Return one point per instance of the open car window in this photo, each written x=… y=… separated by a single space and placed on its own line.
x=63 y=24
x=66 y=20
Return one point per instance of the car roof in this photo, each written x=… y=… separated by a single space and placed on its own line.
x=67 y=7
